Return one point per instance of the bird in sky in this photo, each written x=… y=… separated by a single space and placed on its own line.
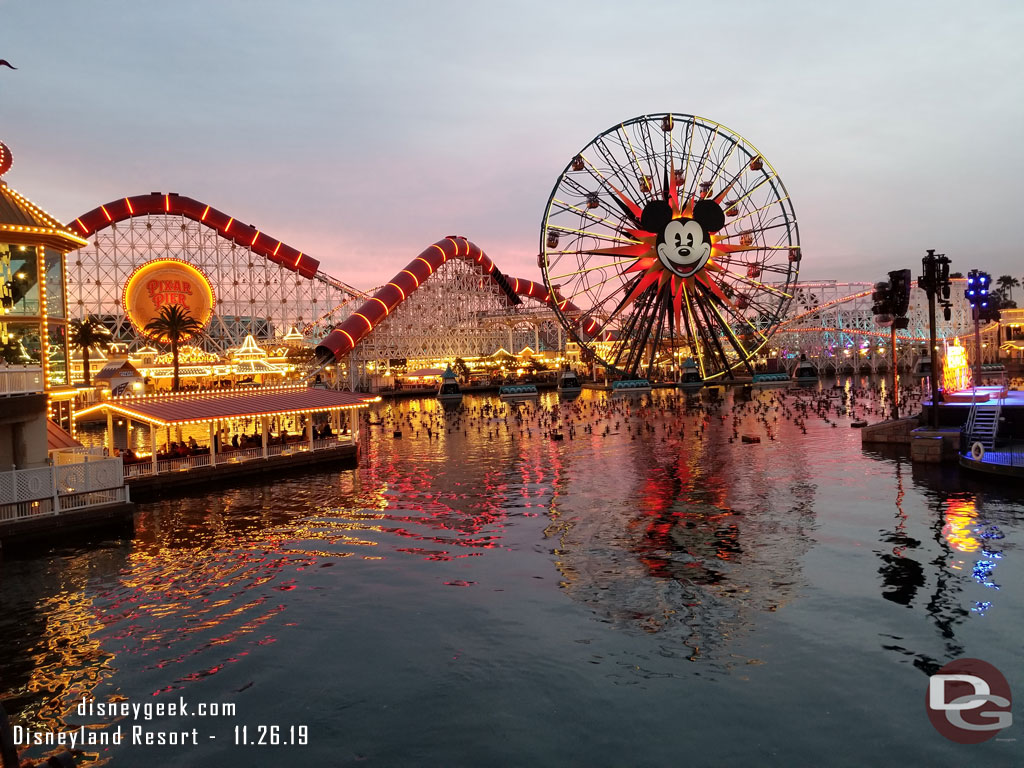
x=6 y=63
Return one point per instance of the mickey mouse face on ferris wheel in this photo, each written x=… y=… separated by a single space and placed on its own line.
x=683 y=244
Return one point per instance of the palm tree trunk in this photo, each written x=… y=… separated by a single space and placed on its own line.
x=85 y=365
x=174 y=356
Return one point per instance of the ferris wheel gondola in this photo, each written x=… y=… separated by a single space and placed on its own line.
x=670 y=236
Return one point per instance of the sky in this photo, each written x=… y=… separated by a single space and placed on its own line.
x=362 y=132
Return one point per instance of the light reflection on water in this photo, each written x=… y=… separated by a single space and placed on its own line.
x=690 y=552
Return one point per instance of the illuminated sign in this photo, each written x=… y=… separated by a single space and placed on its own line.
x=165 y=282
x=956 y=373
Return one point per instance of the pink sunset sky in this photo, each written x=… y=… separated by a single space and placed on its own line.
x=362 y=132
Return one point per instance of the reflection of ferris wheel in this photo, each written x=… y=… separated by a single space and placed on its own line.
x=674 y=237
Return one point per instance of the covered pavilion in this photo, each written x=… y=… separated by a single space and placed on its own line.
x=224 y=413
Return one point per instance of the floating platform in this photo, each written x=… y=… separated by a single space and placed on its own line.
x=518 y=392
x=631 y=386
x=771 y=379
x=152 y=487
x=1006 y=460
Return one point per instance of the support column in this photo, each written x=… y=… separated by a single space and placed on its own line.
x=536 y=337
x=263 y=429
x=213 y=442
x=110 y=432
x=353 y=417
x=152 y=444
x=127 y=433
x=309 y=430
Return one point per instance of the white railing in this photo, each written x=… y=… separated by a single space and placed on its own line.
x=138 y=469
x=144 y=468
x=41 y=491
x=76 y=455
x=183 y=464
x=242 y=454
x=20 y=381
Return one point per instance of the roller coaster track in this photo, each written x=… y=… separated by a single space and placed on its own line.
x=359 y=324
x=157 y=203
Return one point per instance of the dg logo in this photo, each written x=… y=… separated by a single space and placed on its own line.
x=969 y=701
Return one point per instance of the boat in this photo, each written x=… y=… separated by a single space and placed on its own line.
x=691 y=379
x=449 y=391
x=517 y=391
x=805 y=371
x=922 y=368
x=771 y=379
x=631 y=386
x=569 y=383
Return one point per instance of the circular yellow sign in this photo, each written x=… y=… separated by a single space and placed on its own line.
x=166 y=282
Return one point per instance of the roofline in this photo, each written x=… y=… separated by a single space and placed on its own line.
x=179 y=422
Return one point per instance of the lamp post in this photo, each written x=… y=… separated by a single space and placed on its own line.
x=935 y=280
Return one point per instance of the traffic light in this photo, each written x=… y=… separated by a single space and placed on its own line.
x=899 y=291
x=882 y=304
x=977 y=291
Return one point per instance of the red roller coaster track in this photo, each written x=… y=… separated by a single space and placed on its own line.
x=344 y=338
x=226 y=226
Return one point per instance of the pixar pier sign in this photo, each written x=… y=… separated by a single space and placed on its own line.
x=166 y=282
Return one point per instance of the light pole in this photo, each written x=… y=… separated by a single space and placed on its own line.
x=977 y=293
x=935 y=280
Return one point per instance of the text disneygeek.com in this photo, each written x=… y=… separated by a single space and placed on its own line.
x=248 y=734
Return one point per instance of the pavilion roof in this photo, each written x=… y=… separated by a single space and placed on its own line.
x=23 y=222
x=213 y=406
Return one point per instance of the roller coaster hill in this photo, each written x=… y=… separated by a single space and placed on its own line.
x=450 y=301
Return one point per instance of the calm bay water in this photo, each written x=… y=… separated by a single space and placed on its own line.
x=648 y=591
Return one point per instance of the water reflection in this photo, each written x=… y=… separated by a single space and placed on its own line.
x=960 y=552
x=659 y=523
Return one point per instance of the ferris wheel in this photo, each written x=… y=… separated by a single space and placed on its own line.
x=669 y=236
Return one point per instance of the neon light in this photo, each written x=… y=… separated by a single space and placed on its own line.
x=167 y=203
x=444 y=256
x=278 y=248
x=351 y=341
x=516 y=289
x=374 y=298
x=230 y=222
x=956 y=373
x=396 y=285
x=410 y=274
x=104 y=209
x=254 y=238
x=85 y=231
x=420 y=258
x=529 y=288
x=203 y=217
x=368 y=323
x=297 y=259
x=131 y=211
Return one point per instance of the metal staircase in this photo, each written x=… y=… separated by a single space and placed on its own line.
x=982 y=424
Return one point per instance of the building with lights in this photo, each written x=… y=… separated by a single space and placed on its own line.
x=51 y=476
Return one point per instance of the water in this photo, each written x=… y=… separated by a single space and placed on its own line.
x=485 y=597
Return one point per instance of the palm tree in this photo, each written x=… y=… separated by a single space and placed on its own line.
x=88 y=334
x=173 y=325
x=1008 y=283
